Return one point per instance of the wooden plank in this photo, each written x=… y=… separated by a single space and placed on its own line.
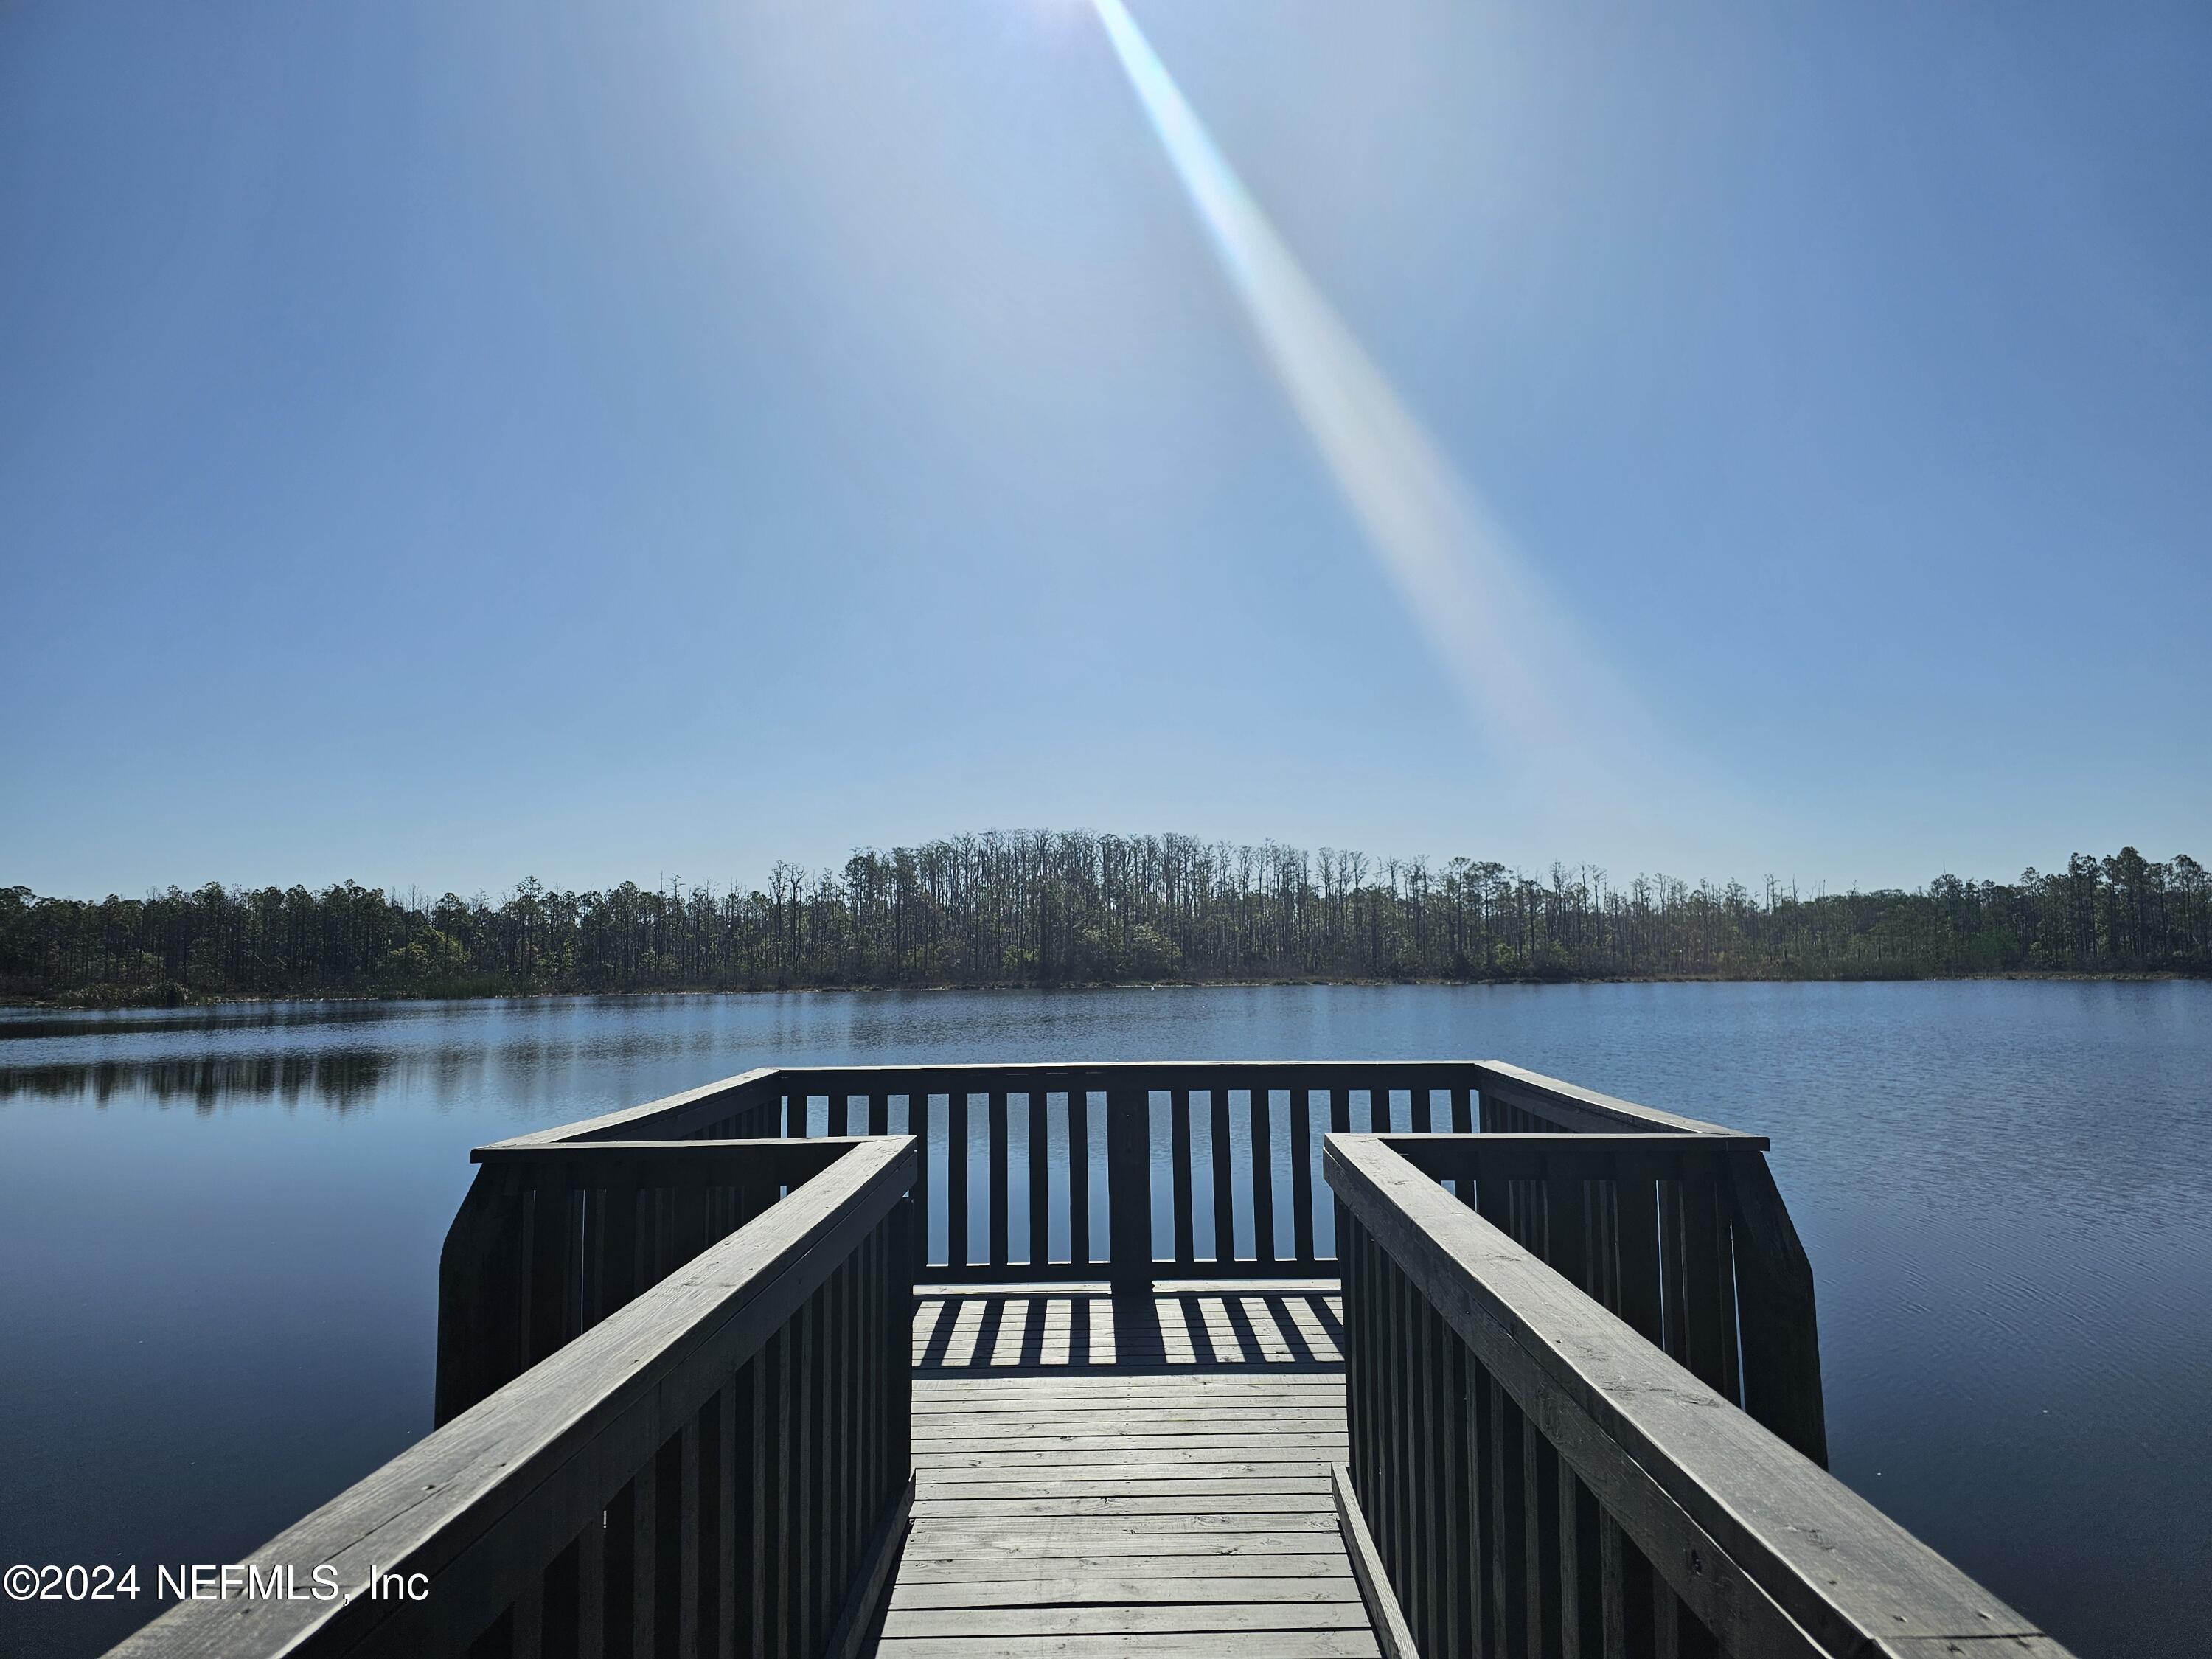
x=1320 y=1416
x=1178 y=1438
x=1315 y=1437
x=1056 y=1507
x=1106 y=1527
x=1005 y=1567
x=1133 y=1591
x=468 y=1504
x=1386 y=1619
x=672 y=1115
x=1172 y=1619
x=1787 y=1552
x=849 y=1637
x=1568 y=1106
x=936 y=1543
x=1263 y=1642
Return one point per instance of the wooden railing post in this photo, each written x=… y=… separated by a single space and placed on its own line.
x=482 y=1304
x=1781 y=1330
x=1129 y=1188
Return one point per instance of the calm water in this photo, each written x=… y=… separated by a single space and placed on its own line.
x=220 y=1234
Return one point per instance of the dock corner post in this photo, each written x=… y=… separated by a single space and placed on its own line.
x=1779 y=1321
x=1129 y=1189
x=482 y=1310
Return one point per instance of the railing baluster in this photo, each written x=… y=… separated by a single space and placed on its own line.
x=1040 y=1204
x=1000 y=1200
x=1263 y=1173
x=956 y=1253
x=785 y=1564
x=806 y=1438
x=732 y=1596
x=644 y=1528
x=1539 y=1493
x=1482 y=1532
x=592 y=1588
x=1666 y=1622
x=693 y=1533
x=1673 y=1279
x=1179 y=1157
x=1448 y=1469
x=1636 y=1199
x=1509 y=1560
x=925 y=1188
x=1427 y=1608
x=1302 y=1176
x=1566 y=1226
x=1712 y=1282
x=1129 y=1186
x=1078 y=1173
x=1224 y=1159
x=1613 y=1592
x=548 y=1258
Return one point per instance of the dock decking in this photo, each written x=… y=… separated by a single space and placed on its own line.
x=1512 y=1370
x=1142 y=1477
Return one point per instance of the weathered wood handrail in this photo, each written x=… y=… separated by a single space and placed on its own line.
x=719 y=1464
x=551 y=1239
x=1536 y=1478
x=1674 y=1223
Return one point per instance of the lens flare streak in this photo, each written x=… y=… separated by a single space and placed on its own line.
x=1481 y=611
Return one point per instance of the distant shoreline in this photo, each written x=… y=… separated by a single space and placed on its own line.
x=155 y=997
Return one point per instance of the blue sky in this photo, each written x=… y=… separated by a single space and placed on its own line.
x=442 y=442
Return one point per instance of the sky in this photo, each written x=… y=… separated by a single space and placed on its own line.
x=444 y=442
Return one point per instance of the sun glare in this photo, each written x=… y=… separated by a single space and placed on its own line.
x=1467 y=588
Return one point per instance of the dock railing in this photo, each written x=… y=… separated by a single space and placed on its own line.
x=719 y=1465
x=675 y=1366
x=1127 y=1173
x=1531 y=1478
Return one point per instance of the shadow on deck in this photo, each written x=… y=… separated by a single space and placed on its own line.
x=1195 y=1327
x=1142 y=1476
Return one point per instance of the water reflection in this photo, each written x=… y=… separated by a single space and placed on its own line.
x=216 y=1317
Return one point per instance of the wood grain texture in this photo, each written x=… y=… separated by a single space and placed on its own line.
x=1769 y=1552
x=1164 y=1489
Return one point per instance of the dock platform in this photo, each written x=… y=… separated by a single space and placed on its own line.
x=1154 y=1483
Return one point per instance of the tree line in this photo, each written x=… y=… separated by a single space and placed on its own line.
x=1053 y=908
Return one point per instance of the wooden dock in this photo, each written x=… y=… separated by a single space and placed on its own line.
x=1281 y=1358
x=1154 y=1483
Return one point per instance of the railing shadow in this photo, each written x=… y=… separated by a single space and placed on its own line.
x=1174 y=1330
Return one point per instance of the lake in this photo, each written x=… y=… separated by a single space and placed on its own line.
x=220 y=1229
